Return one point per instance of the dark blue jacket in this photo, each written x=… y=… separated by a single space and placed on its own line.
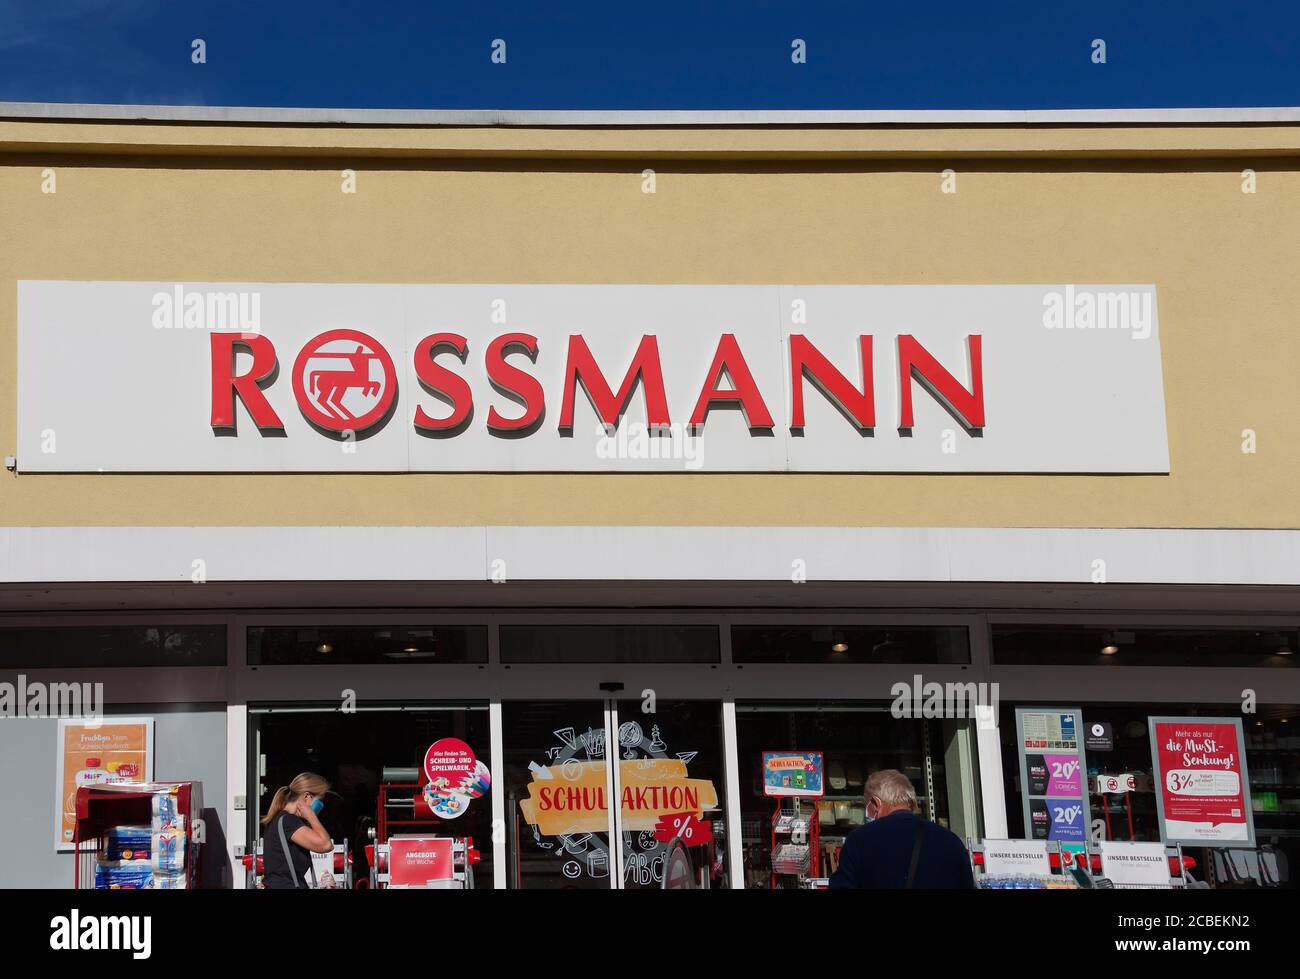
x=878 y=854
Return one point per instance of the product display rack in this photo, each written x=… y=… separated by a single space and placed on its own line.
x=102 y=808
x=796 y=851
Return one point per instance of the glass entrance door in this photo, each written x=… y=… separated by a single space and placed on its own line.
x=565 y=759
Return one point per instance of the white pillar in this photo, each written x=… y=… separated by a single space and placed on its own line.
x=237 y=785
x=731 y=776
x=992 y=788
x=499 y=834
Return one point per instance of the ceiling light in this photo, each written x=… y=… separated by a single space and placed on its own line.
x=840 y=647
x=1109 y=650
x=324 y=648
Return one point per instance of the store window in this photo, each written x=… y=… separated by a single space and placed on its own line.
x=1123 y=748
x=423 y=645
x=373 y=758
x=100 y=646
x=610 y=644
x=863 y=644
x=1052 y=645
x=853 y=740
x=669 y=828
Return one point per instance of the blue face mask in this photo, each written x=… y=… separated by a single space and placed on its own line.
x=317 y=805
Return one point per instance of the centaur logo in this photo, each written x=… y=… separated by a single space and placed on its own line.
x=344 y=380
x=102 y=933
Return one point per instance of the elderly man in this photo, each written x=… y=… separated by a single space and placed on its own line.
x=898 y=848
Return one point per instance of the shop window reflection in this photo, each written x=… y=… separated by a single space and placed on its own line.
x=1109 y=646
x=414 y=645
x=96 y=647
x=855 y=740
x=360 y=753
x=861 y=644
x=1126 y=810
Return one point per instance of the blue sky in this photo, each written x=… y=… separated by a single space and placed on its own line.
x=657 y=55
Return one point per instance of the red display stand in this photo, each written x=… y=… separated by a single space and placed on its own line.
x=102 y=807
x=416 y=855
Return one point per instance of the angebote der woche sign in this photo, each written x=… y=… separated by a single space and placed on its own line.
x=1201 y=781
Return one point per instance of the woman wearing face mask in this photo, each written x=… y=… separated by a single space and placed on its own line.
x=292 y=832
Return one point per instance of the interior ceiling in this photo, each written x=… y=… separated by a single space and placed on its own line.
x=741 y=595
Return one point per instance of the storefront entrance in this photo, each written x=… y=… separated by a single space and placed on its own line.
x=671 y=717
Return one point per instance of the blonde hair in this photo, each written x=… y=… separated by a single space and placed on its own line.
x=892 y=788
x=307 y=782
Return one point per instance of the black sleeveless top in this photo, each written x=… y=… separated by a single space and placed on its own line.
x=278 y=874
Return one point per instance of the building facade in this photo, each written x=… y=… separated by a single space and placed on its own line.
x=1006 y=406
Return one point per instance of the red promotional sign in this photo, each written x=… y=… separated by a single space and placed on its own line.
x=455 y=777
x=687 y=827
x=448 y=762
x=413 y=862
x=1202 y=780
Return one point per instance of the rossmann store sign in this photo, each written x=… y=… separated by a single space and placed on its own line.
x=248 y=377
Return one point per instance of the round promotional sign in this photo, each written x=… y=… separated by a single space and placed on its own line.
x=336 y=385
x=455 y=776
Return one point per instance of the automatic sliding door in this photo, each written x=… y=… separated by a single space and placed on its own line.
x=557 y=783
x=670 y=772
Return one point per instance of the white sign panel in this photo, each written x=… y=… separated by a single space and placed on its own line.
x=249 y=377
x=1017 y=857
x=1134 y=864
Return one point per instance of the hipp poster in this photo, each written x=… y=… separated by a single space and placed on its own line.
x=114 y=751
x=1202 y=786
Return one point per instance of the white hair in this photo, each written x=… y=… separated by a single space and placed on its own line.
x=892 y=788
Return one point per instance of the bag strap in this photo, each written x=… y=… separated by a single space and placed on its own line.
x=916 y=853
x=288 y=857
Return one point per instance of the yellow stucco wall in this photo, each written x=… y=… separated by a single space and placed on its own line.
x=243 y=203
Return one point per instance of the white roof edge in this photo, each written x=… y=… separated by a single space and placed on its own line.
x=653 y=117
